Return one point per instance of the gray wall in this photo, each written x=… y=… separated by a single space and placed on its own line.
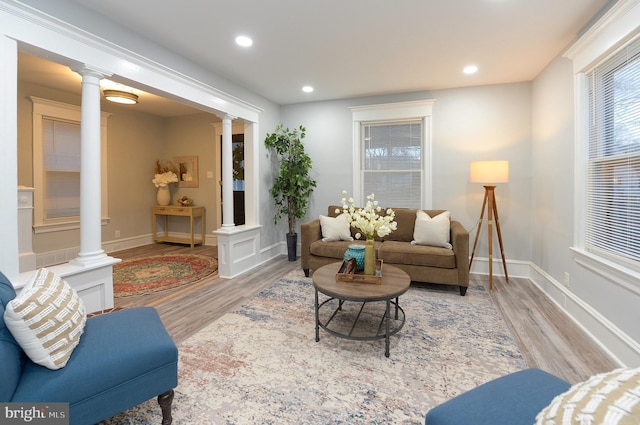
x=552 y=236
x=469 y=124
x=532 y=126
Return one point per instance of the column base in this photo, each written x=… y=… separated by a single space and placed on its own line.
x=85 y=259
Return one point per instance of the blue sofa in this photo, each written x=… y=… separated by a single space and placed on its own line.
x=514 y=399
x=123 y=359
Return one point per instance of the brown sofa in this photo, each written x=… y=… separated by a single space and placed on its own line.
x=422 y=263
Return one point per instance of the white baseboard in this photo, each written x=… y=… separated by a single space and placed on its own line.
x=50 y=258
x=622 y=348
x=273 y=251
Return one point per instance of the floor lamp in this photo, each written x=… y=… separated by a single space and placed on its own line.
x=489 y=172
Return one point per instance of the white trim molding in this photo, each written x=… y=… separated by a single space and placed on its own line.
x=418 y=109
x=620 y=346
x=611 y=339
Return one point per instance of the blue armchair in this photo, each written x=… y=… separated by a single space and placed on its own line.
x=123 y=359
x=514 y=399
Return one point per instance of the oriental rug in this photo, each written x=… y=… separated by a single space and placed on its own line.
x=260 y=364
x=145 y=275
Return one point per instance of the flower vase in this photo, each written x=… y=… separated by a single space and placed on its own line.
x=163 y=197
x=355 y=251
x=369 y=258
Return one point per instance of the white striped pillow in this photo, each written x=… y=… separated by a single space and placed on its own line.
x=47 y=319
x=611 y=398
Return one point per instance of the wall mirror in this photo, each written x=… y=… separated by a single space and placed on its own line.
x=188 y=166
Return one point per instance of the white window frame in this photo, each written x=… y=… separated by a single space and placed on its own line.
x=44 y=108
x=400 y=111
x=617 y=27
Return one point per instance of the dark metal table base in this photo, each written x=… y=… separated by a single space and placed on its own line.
x=386 y=328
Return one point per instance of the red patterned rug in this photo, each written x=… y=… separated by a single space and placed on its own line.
x=158 y=273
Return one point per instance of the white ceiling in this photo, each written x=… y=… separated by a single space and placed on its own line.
x=351 y=48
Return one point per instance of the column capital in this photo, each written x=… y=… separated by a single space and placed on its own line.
x=91 y=71
x=226 y=117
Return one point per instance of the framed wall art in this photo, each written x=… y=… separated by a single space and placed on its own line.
x=188 y=167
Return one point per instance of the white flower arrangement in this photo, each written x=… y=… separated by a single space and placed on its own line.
x=163 y=179
x=368 y=219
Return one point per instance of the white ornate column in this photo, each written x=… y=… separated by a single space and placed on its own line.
x=238 y=246
x=90 y=169
x=227 y=171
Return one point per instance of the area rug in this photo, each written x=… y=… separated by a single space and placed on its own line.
x=260 y=364
x=161 y=272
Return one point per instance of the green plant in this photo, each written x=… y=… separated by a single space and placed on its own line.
x=293 y=186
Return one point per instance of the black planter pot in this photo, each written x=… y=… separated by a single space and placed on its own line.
x=292 y=245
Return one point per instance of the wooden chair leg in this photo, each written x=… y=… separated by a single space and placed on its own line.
x=165 y=400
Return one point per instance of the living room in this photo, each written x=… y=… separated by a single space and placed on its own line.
x=530 y=123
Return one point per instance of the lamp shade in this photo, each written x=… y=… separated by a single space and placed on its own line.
x=489 y=172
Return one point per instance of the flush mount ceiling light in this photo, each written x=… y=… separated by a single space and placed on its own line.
x=307 y=89
x=119 y=96
x=244 y=41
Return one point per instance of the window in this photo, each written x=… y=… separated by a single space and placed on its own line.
x=392 y=148
x=61 y=168
x=613 y=160
x=56 y=166
x=392 y=162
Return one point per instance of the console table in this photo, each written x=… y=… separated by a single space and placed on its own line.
x=176 y=210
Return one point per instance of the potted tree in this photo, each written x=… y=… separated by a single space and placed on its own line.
x=292 y=186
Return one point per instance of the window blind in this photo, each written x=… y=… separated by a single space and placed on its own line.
x=613 y=168
x=392 y=162
x=61 y=163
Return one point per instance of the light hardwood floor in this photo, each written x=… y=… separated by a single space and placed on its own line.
x=547 y=338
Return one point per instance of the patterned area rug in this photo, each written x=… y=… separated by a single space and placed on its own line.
x=158 y=273
x=261 y=364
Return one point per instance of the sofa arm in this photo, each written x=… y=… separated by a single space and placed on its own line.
x=460 y=242
x=309 y=233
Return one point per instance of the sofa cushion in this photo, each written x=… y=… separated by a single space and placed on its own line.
x=395 y=252
x=405 y=217
x=612 y=397
x=47 y=319
x=335 y=228
x=335 y=249
x=432 y=231
x=10 y=351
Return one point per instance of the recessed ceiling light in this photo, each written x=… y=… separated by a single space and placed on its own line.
x=307 y=89
x=471 y=69
x=244 y=41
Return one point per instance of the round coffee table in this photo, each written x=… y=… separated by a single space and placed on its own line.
x=395 y=282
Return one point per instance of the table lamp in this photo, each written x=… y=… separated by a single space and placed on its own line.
x=489 y=173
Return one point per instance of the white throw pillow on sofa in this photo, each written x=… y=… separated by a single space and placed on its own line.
x=432 y=231
x=47 y=319
x=335 y=228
